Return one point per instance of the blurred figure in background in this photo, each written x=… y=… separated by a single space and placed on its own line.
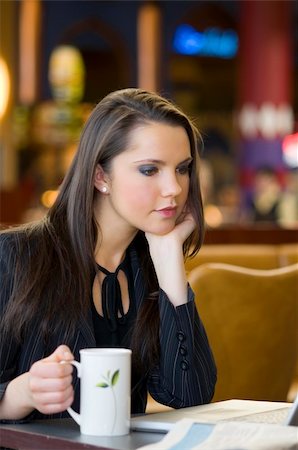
x=266 y=196
x=288 y=205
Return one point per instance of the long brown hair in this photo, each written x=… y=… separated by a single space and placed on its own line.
x=56 y=255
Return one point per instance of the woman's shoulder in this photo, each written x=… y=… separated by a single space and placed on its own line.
x=16 y=238
x=8 y=250
x=8 y=238
x=18 y=246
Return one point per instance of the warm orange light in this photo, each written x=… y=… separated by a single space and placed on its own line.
x=29 y=49
x=48 y=198
x=213 y=216
x=148 y=46
x=4 y=87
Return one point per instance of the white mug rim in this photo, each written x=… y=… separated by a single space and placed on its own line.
x=105 y=351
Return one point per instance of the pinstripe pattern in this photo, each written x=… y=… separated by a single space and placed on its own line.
x=186 y=373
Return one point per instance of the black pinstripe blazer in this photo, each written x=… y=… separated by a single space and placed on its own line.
x=185 y=375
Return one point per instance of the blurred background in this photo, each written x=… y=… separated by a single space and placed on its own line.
x=231 y=65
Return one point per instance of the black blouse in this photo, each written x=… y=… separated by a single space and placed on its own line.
x=114 y=328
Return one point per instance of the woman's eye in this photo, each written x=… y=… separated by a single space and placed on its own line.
x=182 y=170
x=148 y=170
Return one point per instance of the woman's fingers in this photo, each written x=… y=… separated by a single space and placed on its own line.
x=62 y=353
x=54 y=402
x=52 y=397
x=50 y=384
x=47 y=369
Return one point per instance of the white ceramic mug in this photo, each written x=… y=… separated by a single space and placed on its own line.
x=105 y=375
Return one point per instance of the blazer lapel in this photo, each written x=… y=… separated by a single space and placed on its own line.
x=138 y=280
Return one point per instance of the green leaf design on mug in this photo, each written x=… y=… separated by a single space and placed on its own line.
x=103 y=385
x=115 y=377
x=110 y=381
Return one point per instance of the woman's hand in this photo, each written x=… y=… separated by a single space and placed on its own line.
x=167 y=255
x=46 y=387
x=183 y=228
x=50 y=382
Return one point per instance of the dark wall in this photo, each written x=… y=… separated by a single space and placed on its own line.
x=112 y=28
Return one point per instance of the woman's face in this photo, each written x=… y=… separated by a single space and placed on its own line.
x=149 y=182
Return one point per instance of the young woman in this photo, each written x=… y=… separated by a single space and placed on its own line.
x=105 y=267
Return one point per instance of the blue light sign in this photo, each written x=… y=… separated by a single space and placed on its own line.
x=211 y=42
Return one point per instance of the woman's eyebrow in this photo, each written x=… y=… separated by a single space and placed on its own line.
x=152 y=161
x=159 y=161
x=186 y=161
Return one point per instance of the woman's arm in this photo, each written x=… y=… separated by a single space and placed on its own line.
x=186 y=373
x=46 y=385
x=167 y=255
x=16 y=403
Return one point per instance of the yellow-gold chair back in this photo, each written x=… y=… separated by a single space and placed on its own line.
x=250 y=316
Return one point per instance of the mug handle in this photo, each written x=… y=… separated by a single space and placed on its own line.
x=76 y=416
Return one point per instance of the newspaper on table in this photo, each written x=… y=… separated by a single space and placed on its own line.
x=190 y=435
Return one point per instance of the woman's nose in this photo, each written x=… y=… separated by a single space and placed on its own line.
x=170 y=186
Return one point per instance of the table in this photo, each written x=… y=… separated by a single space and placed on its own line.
x=64 y=434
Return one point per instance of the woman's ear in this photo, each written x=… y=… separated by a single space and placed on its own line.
x=101 y=180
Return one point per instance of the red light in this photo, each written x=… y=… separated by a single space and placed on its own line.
x=290 y=150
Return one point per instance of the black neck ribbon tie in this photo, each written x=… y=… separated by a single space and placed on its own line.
x=112 y=307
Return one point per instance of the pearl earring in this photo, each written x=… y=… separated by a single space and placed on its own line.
x=104 y=189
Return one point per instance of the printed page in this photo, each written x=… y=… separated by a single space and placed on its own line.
x=187 y=435
x=228 y=410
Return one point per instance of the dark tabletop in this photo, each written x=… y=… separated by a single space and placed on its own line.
x=65 y=434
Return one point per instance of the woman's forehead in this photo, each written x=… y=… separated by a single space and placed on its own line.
x=156 y=139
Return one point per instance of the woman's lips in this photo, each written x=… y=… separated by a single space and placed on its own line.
x=167 y=212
